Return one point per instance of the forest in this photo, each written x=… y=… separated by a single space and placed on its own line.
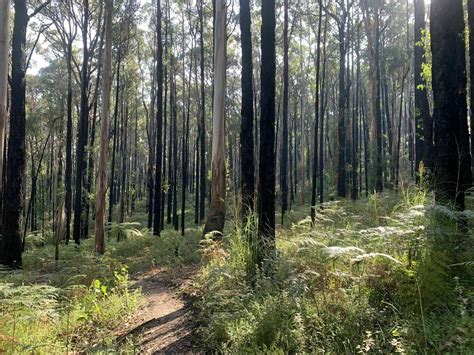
x=236 y=176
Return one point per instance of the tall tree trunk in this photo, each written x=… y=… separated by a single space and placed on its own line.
x=68 y=175
x=341 y=126
x=321 y=112
x=151 y=133
x=202 y=123
x=13 y=201
x=165 y=124
x=372 y=27
x=217 y=208
x=4 y=49
x=453 y=158
x=83 y=130
x=355 y=124
x=284 y=145
x=247 y=114
x=399 y=138
x=317 y=118
x=175 y=161
x=185 y=145
x=124 y=170
x=266 y=184
x=32 y=202
x=423 y=119
x=90 y=173
x=114 y=145
x=170 y=151
x=159 y=124
x=104 y=132
x=365 y=129
x=470 y=10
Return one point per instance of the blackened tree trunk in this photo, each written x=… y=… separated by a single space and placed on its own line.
x=68 y=175
x=170 y=152
x=185 y=143
x=165 y=124
x=317 y=118
x=4 y=57
x=453 y=159
x=247 y=114
x=202 y=122
x=341 y=126
x=266 y=184
x=355 y=125
x=151 y=136
x=423 y=120
x=91 y=156
x=13 y=202
x=114 y=145
x=159 y=125
x=321 y=112
x=197 y=178
x=83 y=130
x=470 y=10
x=341 y=19
x=124 y=169
x=284 y=145
x=175 y=162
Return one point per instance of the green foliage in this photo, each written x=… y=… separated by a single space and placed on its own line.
x=47 y=319
x=122 y=231
x=366 y=279
x=77 y=302
x=426 y=69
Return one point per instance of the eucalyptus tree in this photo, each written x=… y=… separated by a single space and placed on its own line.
x=373 y=13
x=341 y=15
x=318 y=119
x=12 y=245
x=202 y=116
x=247 y=113
x=266 y=183
x=126 y=88
x=423 y=119
x=104 y=132
x=4 y=51
x=470 y=11
x=91 y=28
x=284 y=145
x=217 y=208
x=82 y=127
x=62 y=39
x=451 y=135
x=159 y=123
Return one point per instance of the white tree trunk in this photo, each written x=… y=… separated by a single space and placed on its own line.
x=216 y=216
x=104 y=132
x=4 y=44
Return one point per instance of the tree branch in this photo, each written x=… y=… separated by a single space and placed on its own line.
x=39 y=9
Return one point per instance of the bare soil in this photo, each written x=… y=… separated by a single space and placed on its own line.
x=165 y=323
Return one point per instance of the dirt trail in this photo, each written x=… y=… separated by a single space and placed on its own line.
x=164 y=324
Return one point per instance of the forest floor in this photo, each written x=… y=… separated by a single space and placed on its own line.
x=164 y=324
x=373 y=276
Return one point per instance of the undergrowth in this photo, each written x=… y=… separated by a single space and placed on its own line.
x=371 y=276
x=76 y=303
x=392 y=273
